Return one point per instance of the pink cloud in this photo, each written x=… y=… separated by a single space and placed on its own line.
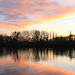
x=69 y=2
x=15 y=14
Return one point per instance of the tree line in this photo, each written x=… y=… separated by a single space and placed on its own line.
x=35 y=39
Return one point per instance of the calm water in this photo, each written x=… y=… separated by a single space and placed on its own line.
x=44 y=61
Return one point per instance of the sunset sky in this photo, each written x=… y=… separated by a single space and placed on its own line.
x=49 y=15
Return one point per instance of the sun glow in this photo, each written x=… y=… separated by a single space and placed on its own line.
x=61 y=25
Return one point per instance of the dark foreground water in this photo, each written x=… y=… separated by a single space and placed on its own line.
x=44 y=61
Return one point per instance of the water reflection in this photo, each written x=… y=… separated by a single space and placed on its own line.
x=51 y=57
x=36 y=55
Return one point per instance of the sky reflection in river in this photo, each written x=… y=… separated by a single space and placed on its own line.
x=44 y=61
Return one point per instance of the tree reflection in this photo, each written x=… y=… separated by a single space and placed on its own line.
x=36 y=55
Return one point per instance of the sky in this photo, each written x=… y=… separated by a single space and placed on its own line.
x=43 y=15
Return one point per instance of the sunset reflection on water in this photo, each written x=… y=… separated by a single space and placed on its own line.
x=42 y=61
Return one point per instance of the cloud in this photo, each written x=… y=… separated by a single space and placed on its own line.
x=22 y=9
x=70 y=3
x=21 y=13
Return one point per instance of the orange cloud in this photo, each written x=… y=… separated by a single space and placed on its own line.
x=20 y=14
